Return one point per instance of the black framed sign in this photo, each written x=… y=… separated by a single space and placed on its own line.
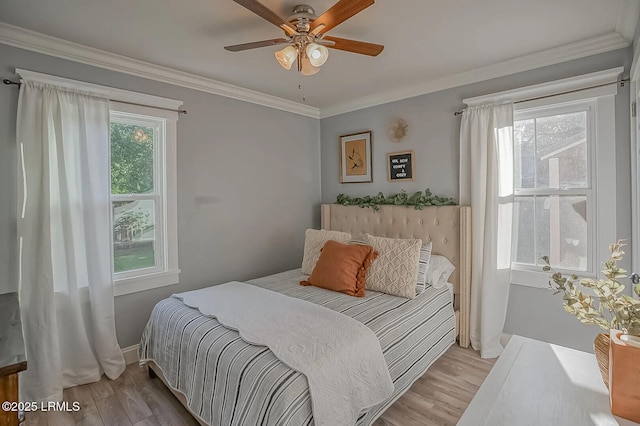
x=400 y=166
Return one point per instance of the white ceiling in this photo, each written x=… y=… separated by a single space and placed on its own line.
x=424 y=41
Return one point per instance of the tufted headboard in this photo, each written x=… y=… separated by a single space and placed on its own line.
x=447 y=227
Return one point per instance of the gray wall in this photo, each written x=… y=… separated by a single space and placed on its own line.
x=238 y=228
x=636 y=36
x=248 y=185
x=434 y=136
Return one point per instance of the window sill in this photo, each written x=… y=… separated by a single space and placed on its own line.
x=530 y=278
x=145 y=282
x=538 y=279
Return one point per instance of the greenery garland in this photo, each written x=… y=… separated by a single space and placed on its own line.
x=417 y=200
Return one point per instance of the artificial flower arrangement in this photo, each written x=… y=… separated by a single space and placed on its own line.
x=607 y=306
x=617 y=352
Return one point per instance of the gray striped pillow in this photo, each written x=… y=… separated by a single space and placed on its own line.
x=423 y=266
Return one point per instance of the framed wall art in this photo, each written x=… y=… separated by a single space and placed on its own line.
x=356 y=158
x=400 y=166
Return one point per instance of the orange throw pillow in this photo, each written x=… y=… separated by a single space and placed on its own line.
x=342 y=268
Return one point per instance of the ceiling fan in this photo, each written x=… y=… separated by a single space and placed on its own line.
x=305 y=34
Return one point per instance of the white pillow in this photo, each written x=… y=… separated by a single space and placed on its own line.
x=440 y=269
x=395 y=270
x=314 y=240
x=423 y=267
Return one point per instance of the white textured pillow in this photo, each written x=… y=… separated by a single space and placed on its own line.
x=440 y=269
x=423 y=267
x=314 y=240
x=395 y=270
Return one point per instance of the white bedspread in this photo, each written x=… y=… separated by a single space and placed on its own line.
x=340 y=356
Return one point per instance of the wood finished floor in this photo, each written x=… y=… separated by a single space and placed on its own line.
x=437 y=398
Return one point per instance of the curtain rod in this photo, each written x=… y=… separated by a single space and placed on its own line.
x=621 y=82
x=179 y=111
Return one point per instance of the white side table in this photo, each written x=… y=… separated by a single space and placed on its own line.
x=537 y=383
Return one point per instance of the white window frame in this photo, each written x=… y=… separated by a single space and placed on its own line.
x=157 y=195
x=163 y=108
x=166 y=271
x=589 y=107
x=635 y=161
x=603 y=157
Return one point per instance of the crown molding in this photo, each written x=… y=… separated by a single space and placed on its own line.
x=567 y=52
x=98 y=90
x=36 y=42
x=30 y=40
x=554 y=87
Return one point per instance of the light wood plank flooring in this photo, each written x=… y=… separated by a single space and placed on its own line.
x=437 y=398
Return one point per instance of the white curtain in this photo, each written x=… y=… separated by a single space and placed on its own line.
x=486 y=184
x=66 y=289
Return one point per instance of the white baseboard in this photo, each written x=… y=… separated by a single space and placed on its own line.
x=130 y=354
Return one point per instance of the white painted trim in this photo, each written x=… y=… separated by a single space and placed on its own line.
x=145 y=111
x=171 y=197
x=627 y=19
x=130 y=354
x=145 y=282
x=553 y=87
x=609 y=90
x=536 y=278
x=167 y=273
x=103 y=91
x=635 y=69
x=36 y=42
x=603 y=166
x=567 y=52
x=635 y=177
x=605 y=179
x=30 y=40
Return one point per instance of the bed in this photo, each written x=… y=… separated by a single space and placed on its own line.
x=223 y=380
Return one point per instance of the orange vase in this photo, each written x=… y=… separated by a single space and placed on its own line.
x=624 y=378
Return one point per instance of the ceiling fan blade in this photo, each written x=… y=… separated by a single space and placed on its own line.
x=266 y=13
x=354 y=46
x=337 y=14
x=256 y=44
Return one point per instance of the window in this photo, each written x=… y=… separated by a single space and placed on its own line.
x=552 y=187
x=143 y=184
x=564 y=184
x=142 y=198
x=136 y=193
x=564 y=198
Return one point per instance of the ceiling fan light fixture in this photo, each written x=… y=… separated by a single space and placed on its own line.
x=305 y=34
x=317 y=54
x=307 y=66
x=287 y=56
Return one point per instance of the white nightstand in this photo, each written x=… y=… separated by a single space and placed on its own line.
x=537 y=383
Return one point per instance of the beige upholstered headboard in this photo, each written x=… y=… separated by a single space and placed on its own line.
x=447 y=227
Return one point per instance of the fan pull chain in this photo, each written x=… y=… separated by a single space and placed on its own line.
x=304 y=98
